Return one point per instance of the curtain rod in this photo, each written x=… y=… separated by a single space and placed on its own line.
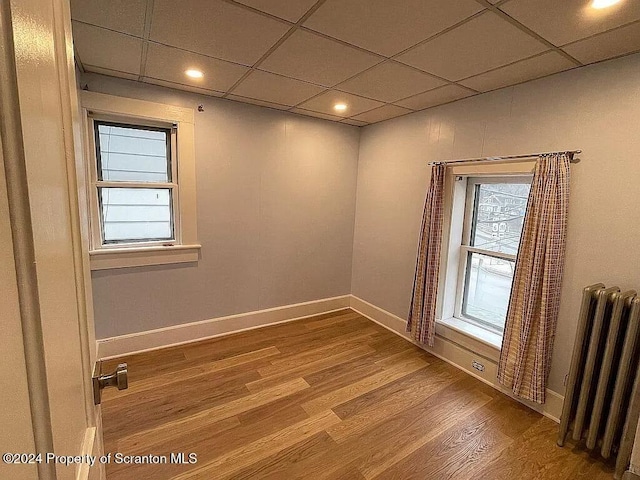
x=571 y=154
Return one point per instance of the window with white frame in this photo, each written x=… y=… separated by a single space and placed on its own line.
x=136 y=182
x=140 y=173
x=493 y=219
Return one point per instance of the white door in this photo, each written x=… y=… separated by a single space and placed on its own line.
x=47 y=339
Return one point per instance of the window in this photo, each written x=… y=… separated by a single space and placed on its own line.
x=140 y=174
x=494 y=216
x=136 y=192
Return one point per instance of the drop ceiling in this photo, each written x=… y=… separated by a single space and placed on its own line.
x=382 y=58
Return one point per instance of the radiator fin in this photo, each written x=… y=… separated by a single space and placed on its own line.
x=603 y=375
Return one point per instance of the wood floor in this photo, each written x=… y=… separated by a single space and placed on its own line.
x=330 y=397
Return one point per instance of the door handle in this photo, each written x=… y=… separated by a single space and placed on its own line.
x=118 y=378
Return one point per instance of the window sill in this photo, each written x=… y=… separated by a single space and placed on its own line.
x=472 y=337
x=110 y=258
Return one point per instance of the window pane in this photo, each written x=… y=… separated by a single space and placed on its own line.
x=132 y=154
x=487 y=289
x=136 y=214
x=499 y=216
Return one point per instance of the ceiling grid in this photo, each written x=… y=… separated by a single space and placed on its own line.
x=382 y=59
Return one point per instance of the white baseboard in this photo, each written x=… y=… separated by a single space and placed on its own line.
x=447 y=350
x=457 y=356
x=193 y=332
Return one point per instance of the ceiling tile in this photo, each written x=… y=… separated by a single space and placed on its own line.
x=180 y=86
x=484 y=43
x=291 y=10
x=606 y=45
x=388 y=27
x=355 y=105
x=315 y=59
x=126 y=16
x=255 y=101
x=565 y=21
x=103 y=48
x=351 y=121
x=276 y=89
x=390 y=81
x=215 y=28
x=311 y=113
x=536 y=67
x=382 y=113
x=111 y=73
x=168 y=63
x=441 y=95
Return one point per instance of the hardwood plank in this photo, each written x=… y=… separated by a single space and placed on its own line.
x=328 y=397
x=312 y=354
x=190 y=373
x=187 y=398
x=282 y=373
x=458 y=452
x=230 y=463
x=331 y=321
x=367 y=411
x=215 y=414
x=417 y=426
x=283 y=463
x=344 y=394
x=208 y=443
x=538 y=457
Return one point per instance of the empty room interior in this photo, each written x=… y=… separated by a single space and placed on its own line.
x=320 y=239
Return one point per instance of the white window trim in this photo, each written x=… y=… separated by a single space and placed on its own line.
x=185 y=246
x=449 y=325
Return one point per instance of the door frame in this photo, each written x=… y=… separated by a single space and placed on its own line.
x=45 y=25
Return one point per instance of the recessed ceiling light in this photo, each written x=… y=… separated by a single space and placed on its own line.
x=340 y=107
x=193 y=73
x=603 y=3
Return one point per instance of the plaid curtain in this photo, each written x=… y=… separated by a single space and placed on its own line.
x=530 y=328
x=422 y=314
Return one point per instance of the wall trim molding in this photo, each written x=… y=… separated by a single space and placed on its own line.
x=456 y=355
x=195 y=331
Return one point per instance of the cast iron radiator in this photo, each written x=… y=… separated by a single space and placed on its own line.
x=602 y=399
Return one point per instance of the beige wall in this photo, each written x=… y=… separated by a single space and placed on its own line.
x=276 y=208
x=596 y=109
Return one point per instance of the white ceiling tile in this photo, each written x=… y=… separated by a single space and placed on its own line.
x=536 y=67
x=484 y=43
x=355 y=105
x=180 y=86
x=382 y=113
x=255 y=101
x=565 y=21
x=126 y=16
x=610 y=44
x=315 y=59
x=438 y=96
x=351 y=121
x=168 y=63
x=390 y=81
x=311 y=113
x=387 y=27
x=111 y=73
x=275 y=88
x=106 y=49
x=291 y=10
x=215 y=28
